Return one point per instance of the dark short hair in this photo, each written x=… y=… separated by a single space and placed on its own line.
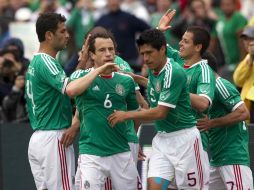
x=211 y=59
x=200 y=36
x=152 y=37
x=106 y=34
x=48 y=22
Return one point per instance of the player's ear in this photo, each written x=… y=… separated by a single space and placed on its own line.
x=48 y=35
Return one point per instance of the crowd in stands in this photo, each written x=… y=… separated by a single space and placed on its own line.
x=224 y=19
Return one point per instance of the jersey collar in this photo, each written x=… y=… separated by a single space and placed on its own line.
x=202 y=61
x=156 y=73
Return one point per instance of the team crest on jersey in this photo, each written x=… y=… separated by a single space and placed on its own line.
x=158 y=86
x=120 y=90
x=87 y=185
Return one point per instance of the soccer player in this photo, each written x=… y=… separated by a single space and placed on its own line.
x=177 y=148
x=228 y=137
x=49 y=108
x=104 y=152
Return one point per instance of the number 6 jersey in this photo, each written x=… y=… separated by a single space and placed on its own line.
x=102 y=97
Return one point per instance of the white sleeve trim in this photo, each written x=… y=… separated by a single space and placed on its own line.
x=209 y=99
x=137 y=88
x=166 y=104
x=237 y=105
x=65 y=84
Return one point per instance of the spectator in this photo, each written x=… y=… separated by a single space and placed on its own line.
x=244 y=73
x=125 y=27
x=12 y=55
x=14 y=104
x=228 y=29
x=7 y=73
x=136 y=8
x=17 y=46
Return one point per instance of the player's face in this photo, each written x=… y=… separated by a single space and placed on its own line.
x=152 y=57
x=187 y=48
x=61 y=37
x=104 y=51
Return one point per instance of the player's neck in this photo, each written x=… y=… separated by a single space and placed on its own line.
x=161 y=66
x=45 y=49
x=192 y=60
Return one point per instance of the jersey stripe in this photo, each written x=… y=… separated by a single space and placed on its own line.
x=222 y=89
x=205 y=72
x=51 y=66
x=168 y=76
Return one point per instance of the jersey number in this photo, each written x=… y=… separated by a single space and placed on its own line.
x=152 y=95
x=192 y=180
x=30 y=93
x=107 y=102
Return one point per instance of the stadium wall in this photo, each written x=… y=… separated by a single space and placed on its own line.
x=15 y=171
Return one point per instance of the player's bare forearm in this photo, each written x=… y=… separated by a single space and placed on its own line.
x=70 y=134
x=238 y=115
x=140 y=80
x=80 y=85
x=199 y=103
x=157 y=113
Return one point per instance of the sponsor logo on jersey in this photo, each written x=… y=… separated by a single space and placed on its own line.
x=96 y=88
x=120 y=90
x=87 y=185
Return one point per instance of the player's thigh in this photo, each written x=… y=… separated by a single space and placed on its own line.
x=35 y=157
x=124 y=172
x=59 y=163
x=190 y=169
x=157 y=183
x=215 y=181
x=92 y=172
x=237 y=177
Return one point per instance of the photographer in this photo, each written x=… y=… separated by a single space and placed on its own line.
x=244 y=73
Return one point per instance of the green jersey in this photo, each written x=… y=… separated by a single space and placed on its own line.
x=95 y=105
x=169 y=88
x=125 y=67
x=201 y=81
x=228 y=145
x=48 y=107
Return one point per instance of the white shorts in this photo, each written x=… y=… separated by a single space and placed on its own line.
x=178 y=156
x=120 y=168
x=134 y=147
x=52 y=165
x=231 y=177
x=206 y=174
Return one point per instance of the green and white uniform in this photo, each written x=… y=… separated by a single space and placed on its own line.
x=177 y=140
x=104 y=150
x=100 y=100
x=50 y=112
x=229 y=145
x=131 y=133
x=201 y=81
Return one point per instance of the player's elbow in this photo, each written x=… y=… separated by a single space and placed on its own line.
x=203 y=106
x=243 y=113
x=70 y=91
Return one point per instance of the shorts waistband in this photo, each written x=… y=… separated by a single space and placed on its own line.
x=182 y=131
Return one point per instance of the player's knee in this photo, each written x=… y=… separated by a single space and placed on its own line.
x=157 y=183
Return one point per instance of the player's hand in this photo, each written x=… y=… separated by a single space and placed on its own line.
x=108 y=68
x=83 y=55
x=164 y=23
x=69 y=136
x=204 y=124
x=116 y=117
x=141 y=155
